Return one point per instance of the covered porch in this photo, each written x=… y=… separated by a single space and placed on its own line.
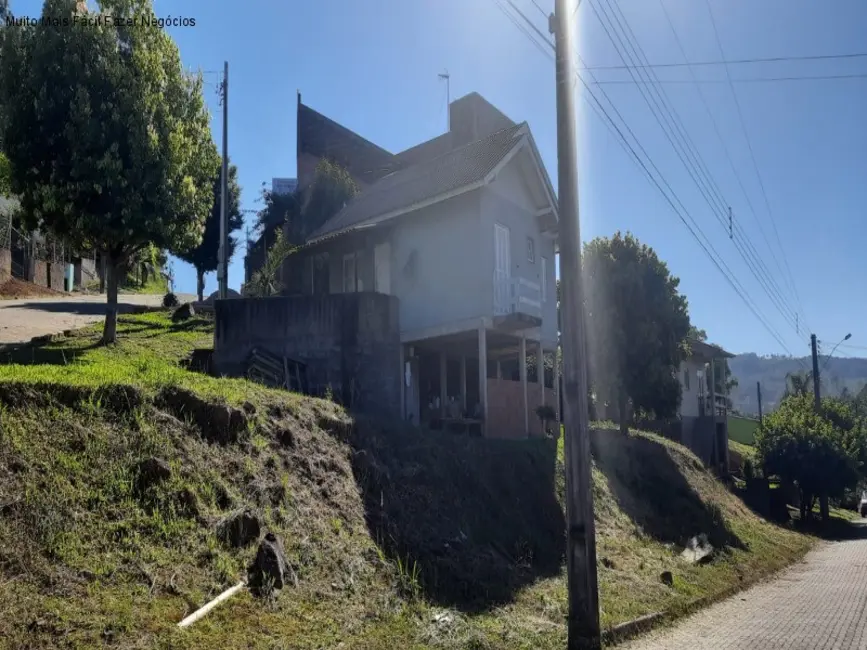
x=481 y=381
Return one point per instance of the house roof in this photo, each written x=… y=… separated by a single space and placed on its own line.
x=707 y=351
x=432 y=179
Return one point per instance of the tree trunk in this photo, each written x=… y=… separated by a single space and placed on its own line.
x=622 y=404
x=803 y=505
x=109 y=331
x=104 y=268
x=145 y=272
x=823 y=507
x=200 y=284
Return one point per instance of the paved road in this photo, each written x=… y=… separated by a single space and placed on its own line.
x=818 y=604
x=21 y=320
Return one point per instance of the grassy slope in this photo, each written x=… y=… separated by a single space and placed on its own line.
x=742 y=430
x=86 y=560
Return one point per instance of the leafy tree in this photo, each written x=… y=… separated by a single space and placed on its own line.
x=111 y=146
x=637 y=322
x=5 y=176
x=798 y=384
x=205 y=256
x=823 y=452
x=266 y=281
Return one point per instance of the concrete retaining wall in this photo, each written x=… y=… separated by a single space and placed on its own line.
x=5 y=264
x=506 y=409
x=350 y=343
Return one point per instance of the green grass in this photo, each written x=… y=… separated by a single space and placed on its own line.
x=87 y=560
x=156 y=284
x=742 y=429
x=742 y=450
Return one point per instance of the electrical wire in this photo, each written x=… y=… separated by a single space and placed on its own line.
x=682 y=213
x=672 y=125
x=857 y=75
x=775 y=59
x=752 y=154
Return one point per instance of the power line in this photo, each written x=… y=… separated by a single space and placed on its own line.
x=832 y=77
x=728 y=157
x=541 y=11
x=774 y=59
x=624 y=143
x=753 y=155
x=680 y=140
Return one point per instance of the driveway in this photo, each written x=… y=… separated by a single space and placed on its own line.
x=21 y=320
x=820 y=603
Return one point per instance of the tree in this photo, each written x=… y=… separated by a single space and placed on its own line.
x=798 y=384
x=265 y=282
x=822 y=452
x=205 y=256
x=637 y=323
x=111 y=146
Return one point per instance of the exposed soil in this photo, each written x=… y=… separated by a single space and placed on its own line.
x=15 y=289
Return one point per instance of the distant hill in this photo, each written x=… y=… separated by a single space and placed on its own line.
x=771 y=372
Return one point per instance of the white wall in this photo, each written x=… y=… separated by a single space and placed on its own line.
x=508 y=201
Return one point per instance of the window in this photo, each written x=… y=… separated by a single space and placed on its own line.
x=686 y=379
x=544 y=279
x=531 y=250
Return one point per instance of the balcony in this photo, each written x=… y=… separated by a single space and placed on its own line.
x=517 y=303
x=720 y=408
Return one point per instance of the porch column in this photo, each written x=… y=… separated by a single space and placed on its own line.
x=402 y=375
x=483 y=375
x=522 y=365
x=557 y=390
x=499 y=370
x=540 y=370
x=443 y=379
x=713 y=391
x=463 y=383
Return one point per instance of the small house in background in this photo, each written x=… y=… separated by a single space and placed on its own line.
x=460 y=232
x=704 y=402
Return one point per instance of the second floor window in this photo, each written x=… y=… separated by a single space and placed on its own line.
x=686 y=379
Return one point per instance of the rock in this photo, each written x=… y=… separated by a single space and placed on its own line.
x=239 y=528
x=698 y=550
x=151 y=471
x=269 y=569
x=667 y=578
x=182 y=313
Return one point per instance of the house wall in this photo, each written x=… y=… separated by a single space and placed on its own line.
x=350 y=342
x=437 y=265
x=508 y=201
x=40 y=273
x=56 y=274
x=506 y=408
x=689 y=397
x=84 y=271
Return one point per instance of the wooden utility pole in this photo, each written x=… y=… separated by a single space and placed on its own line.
x=583 y=619
x=223 y=272
x=759 y=393
x=816 y=396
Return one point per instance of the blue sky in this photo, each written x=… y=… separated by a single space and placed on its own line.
x=373 y=66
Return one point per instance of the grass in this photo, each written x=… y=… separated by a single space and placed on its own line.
x=742 y=430
x=398 y=538
x=155 y=284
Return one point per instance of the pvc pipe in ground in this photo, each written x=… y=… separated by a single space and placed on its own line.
x=204 y=609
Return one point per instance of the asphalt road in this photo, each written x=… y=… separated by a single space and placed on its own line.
x=21 y=320
x=818 y=604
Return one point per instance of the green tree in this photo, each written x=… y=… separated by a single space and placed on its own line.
x=111 y=146
x=798 y=383
x=266 y=281
x=205 y=256
x=637 y=323
x=822 y=452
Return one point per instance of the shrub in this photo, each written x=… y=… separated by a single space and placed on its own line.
x=170 y=300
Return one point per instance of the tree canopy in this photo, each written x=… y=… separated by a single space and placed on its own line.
x=823 y=452
x=637 y=323
x=205 y=256
x=108 y=138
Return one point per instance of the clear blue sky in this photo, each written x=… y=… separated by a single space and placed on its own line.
x=373 y=66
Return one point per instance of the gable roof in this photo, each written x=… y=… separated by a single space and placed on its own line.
x=435 y=179
x=707 y=351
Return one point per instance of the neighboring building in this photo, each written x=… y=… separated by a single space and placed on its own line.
x=284 y=185
x=462 y=230
x=704 y=403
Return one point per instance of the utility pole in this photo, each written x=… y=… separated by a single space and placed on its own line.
x=815 y=371
x=223 y=274
x=759 y=393
x=583 y=621
x=445 y=75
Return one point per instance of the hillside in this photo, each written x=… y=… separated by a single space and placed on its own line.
x=396 y=538
x=771 y=371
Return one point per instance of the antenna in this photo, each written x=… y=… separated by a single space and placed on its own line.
x=445 y=76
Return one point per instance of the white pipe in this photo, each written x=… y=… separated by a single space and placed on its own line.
x=199 y=613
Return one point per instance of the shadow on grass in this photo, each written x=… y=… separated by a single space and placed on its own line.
x=651 y=489
x=477 y=518
x=80 y=307
x=836 y=529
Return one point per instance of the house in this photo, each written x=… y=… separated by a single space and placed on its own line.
x=462 y=231
x=704 y=402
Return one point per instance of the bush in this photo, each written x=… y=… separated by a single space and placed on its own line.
x=749 y=470
x=170 y=300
